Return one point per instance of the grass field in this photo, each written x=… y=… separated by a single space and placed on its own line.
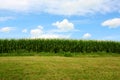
x=59 y=68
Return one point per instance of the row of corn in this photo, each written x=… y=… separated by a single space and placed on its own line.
x=58 y=45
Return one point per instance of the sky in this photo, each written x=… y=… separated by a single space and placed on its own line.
x=61 y=19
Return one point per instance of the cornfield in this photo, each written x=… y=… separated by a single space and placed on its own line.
x=58 y=45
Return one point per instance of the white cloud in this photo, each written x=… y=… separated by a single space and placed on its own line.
x=14 y=5
x=40 y=33
x=51 y=36
x=61 y=7
x=6 y=29
x=24 y=30
x=87 y=35
x=37 y=31
x=112 y=23
x=5 y=18
x=64 y=25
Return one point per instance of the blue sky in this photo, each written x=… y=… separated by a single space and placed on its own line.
x=69 y=19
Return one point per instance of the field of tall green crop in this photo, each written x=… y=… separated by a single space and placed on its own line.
x=58 y=45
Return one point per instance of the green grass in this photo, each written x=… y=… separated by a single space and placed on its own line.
x=59 y=68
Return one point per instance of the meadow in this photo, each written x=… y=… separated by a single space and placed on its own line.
x=59 y=68
x=41 y=59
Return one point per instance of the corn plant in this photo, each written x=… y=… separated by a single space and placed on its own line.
x=58 y=45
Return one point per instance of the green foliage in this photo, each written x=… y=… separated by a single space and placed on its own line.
x=68 y=54
x=58 y=46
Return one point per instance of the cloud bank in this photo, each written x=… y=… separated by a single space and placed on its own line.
x=61 y=7
x=40 y=33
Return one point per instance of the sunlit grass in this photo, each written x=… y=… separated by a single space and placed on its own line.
x=59 y=68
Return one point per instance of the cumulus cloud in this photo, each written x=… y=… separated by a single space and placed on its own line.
x=6 y=29
x=40 y=33
x=112 y=23
x=61 y=7
x=5 y=18
x=37 y=31
x=87 y=35
x=51 y=36
x=64 y=25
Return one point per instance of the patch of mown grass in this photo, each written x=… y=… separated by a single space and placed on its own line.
x=59 y=68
